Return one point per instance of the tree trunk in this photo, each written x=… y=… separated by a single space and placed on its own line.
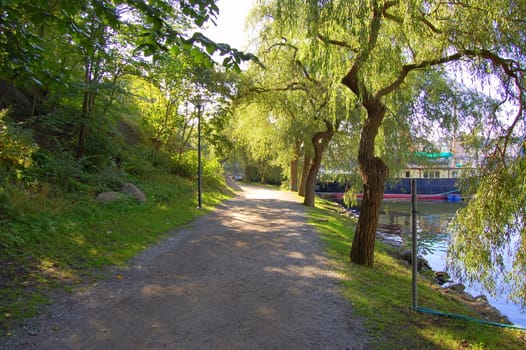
x=310 y=184
x=304 y=175
x=87 y=109
x=294 y=164
x=294 y=175
x=374 y=175
x=320 y=142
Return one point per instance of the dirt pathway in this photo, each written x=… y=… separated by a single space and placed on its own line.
x=251 y=275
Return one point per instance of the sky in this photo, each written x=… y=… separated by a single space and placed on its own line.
x=230 y=27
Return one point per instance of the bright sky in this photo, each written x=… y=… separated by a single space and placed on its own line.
x=230 y=27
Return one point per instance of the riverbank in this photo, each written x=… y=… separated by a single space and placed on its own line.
x=383 y=295
x=401 y=249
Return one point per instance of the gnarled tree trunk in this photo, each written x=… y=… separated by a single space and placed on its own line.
x=320 y=141
x=304 y=175
x=374 y=175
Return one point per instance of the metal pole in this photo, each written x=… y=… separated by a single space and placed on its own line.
x=199 y=169
x=414 y=256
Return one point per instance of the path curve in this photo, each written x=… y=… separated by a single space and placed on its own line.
x=250 y=275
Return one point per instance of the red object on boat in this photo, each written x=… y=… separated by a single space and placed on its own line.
x=400 y=196
x=407 y=196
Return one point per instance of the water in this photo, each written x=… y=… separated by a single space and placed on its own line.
x=432 y=222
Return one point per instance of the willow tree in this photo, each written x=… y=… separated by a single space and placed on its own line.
x=381 y=43
x=297 y=89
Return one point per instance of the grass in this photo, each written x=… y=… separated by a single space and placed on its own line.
x=382 y=295
x=62 y=242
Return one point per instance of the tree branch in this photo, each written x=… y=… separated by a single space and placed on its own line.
x=410 y=67
x=291 y=87
x=335 y=42
x=430 y=25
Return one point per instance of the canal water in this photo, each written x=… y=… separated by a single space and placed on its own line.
x=432 y=226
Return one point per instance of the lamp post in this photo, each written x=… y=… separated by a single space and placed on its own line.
x=199 y=168
x=199 y=103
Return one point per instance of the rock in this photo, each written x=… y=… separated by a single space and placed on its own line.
x=407 y=256
x=108 y=197
x=457 y=287
x=442 y=277
x=481 y=299
x=132 y=190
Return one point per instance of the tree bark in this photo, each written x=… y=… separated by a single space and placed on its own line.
x=304 y=175
x=87 y=110
x=374 y=175
x=320 y=141
x=294 y=164
x=294 y=175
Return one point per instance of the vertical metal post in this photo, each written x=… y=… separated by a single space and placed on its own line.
x=414 y=253
x=199 y=169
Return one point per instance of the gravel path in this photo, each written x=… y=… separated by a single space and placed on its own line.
x=251 y=275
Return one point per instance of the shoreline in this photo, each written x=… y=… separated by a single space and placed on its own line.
x=478 y=304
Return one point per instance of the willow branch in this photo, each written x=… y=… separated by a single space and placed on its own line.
x=410 y=67
x=335 y=42
x=291 y=87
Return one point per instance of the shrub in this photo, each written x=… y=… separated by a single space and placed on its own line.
x=137 y=162
x=16 y=148
x=61 y=170
x=185 y=164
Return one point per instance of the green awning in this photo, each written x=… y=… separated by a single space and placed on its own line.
x=434 y=155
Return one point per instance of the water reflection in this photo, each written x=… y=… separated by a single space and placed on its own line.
x=432 y=222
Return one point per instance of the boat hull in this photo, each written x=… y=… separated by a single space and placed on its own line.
x=427 y=189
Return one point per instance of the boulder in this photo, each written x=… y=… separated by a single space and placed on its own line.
x=457 y=287
x=408 y=256
x=442 y=277
x=132 y=190
x=108 y=197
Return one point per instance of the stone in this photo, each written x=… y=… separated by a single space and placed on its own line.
x=457 y=287
x=481 y=299
x=442 y=277
x=407 y=256
x=108 y=197
x=132 y=190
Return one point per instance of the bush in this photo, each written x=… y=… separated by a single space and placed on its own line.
x=213 y=172
x=185 y=165
x=137 y=162
x=16 y=148
x=62 y=170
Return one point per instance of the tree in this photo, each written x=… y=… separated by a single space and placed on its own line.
x=296 y=90
x=382 y=42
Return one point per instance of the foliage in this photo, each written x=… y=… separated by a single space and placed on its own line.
x=16 y=148
x=489 y=235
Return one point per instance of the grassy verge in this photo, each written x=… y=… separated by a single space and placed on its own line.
x=62 y=242
x=383 y=296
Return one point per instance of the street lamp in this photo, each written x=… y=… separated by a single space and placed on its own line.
x=200 y=104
